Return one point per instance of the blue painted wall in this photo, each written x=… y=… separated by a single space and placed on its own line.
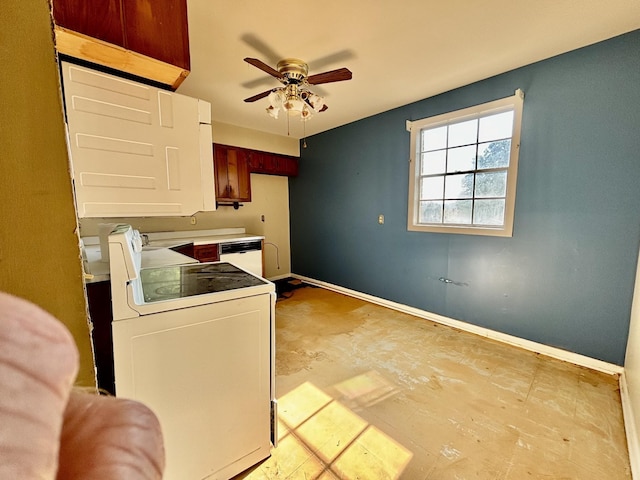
x=566 y=276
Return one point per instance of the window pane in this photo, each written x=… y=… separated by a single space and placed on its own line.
x=489 y=212
x=433 y=162
x=496 y=127
x=431 y=188
x=494 y=154
x=461 y=159
x=434 y=138
x=430 y=212
x=457 y=211
x=463 y=133
x=491 y=184
x=459 y=186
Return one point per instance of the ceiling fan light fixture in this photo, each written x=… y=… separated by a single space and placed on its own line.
x=294 y=105
x=273 y=111
x=276 y=98
x=314 y=101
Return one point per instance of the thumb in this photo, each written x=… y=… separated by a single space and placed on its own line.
x=38 y=364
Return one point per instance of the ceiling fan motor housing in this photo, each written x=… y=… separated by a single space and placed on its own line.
x=293 y=69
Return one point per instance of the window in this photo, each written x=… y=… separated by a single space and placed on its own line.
x=463 y=169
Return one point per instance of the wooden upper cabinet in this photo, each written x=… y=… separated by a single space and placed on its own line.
x=272 y=163
x=81 y=17
x=144 y=38
x=158 y=29
x=234 y=166
x=288 y=166
x=233 y=180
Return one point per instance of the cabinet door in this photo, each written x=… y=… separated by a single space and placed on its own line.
x=272 y=163
x=101 y=20
x=239 y=177
x=135 y=149
x=256 y=161
x=233 y=183
x=221 y=172
x=158 y=29
x=206 y=253
x=288 y=166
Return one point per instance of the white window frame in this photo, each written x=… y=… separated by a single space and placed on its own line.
x=514 y=103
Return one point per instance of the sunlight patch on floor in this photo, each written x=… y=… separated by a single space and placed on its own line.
x=321 y=438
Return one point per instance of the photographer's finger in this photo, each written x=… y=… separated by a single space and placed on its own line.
x=38 y=364
x=107 y=437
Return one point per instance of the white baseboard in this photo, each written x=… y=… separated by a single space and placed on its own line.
x=536 y=347
x=630 y=427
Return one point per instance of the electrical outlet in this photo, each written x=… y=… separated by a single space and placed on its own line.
x=193 y=220
x=381 y=219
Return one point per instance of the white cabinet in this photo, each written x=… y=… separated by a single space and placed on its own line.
x=136 y=150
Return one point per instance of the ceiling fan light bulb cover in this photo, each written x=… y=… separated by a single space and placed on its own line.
x=294 y=105
x=315 y=102
x=273 y=111
x=276 y=98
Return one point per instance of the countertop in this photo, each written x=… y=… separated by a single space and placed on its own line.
x=98 y=271
x=158 y=251
x=199 y=237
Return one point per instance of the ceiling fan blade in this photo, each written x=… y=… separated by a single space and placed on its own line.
x=260 y=82
x=338 y=75
x=258 y=96
x=264 y=67
x=261 y=47
x=343 y=56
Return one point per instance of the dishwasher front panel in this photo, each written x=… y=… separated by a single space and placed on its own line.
x=247 y=255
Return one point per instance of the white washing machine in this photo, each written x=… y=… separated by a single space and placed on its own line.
x=195 y=343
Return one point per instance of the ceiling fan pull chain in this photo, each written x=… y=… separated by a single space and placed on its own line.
x=304 y=134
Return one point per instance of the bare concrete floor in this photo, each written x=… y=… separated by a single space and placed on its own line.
x=369 y=393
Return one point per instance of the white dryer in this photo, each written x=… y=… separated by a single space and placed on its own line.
x=195 y=343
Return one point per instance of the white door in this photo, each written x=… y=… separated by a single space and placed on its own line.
x=135 y=149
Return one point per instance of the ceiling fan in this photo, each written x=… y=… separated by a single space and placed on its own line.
x=295 y=96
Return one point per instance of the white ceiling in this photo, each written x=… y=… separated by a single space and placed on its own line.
x=399 y=51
